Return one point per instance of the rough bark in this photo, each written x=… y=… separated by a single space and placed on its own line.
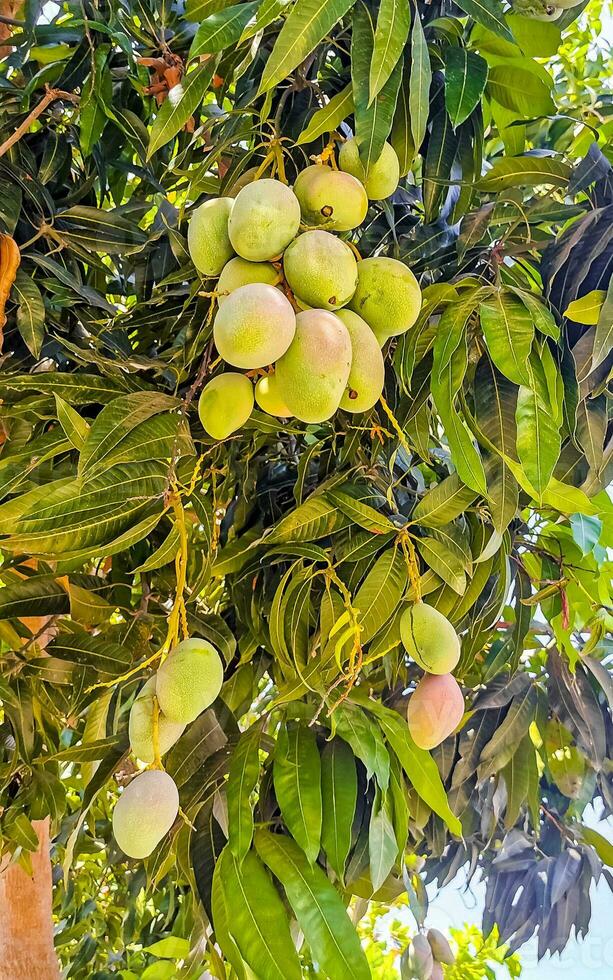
x=26 y=925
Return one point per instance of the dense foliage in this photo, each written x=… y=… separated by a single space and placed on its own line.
x=478 y=482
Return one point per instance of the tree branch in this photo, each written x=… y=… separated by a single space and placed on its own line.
x=50 y=96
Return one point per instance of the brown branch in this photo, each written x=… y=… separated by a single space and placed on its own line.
x=50 y=96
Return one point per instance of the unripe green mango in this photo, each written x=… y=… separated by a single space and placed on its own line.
x=312 y=375
x=441 y=950
x=264 y=219
x=207 y=236
x=383 y=175
x=240 y=272
x=145 y=812
x=189 y=680
x=435 y=710
x=140 y=725
x=367 y=374
x=387 y=296
x=567 y=765
x=269 y=399
x=429 y=638
x=330 y=198
x=225 y=404
x=321 y=270
x=255 y=326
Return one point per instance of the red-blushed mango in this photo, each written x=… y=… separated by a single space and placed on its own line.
x=189 y=680
x=207 y=236
x=367 y=374
x=429 y=638
x=330 y=198
x=383 y=175
x=140 y=725
x=225 y=404
x=387 y=296
x=269 y=399
x=441 y=950
x=240 y=272
x=255 y=326
x=264 y=219
x=145 y=812
x=313 y=374
x=321 y=270
x=435 y=710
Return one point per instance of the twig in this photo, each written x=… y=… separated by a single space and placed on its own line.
x=50 y=96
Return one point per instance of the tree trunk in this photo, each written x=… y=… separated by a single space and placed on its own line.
x=26 y=925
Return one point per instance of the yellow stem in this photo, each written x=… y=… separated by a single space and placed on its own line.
x=396 y=425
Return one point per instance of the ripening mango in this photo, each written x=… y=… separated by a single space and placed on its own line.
x=240 y=272
x=269 y=399
x=439 y=944
x=207 y=236
x=321 y=270
x=429 y=638
x=255 y=326
x=140 y=725
x=145 y=812
x=312 y=374
x=435 y=709
x=225 y=404
x=264 y=219
x=330 y=198
x=189 y=680
x=383 y=175
x=418 y=958
x=387 y=296
x=367 y=374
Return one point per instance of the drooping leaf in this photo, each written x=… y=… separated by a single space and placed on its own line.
x=392 y=30
x=317 y=906
x=373 y=118
x=242 y=779
x=181 y=103
x=297 y=779
x=465 y=78
x=339 y=794
x=329 y=117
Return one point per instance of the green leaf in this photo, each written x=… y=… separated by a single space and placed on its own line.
x=339 y=788
x=181 y=102
x=602 y=846
x=91 y=651
x=329 y=117
x=401 y=136
x=242 y=780
x=321 y=915
x=40 y=595
x=538 y=438
x=465 y=78
x=509 y=332
x=488 y=13
x=444 y=502
x=382 y=845
x=381 y=592
x=297 y=779
x=97 y=230
x=221 y=30
x=567 y=499
x=361 y=514
x=114 y=423
x=75 y=427
x=524 y=92
x=166 y=552
x=444 y=562
x=586 y=309
x=373 y=119
x=524 y=172
x=355 y=727
x=307 y=24
x=169 y=948
x=603 y=339
x=586 y=532
x=315 y=518
x=391 y=33
x=30 y=311
x=418 y=764
x=465 y=457
x=256 y=921
x=419 y=82
x=97 y=93
x=442 y=145
x=536 y=38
